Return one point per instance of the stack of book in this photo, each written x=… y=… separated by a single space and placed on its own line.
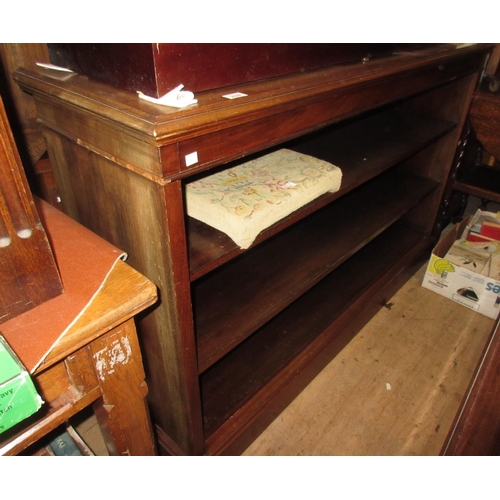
x=479 y=247
x=485 y=227
x=67 y=443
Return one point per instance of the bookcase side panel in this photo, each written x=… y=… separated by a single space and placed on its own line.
x=145 y=220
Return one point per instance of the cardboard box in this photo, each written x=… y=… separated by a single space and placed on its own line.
x=462 y=285
x=18 y=396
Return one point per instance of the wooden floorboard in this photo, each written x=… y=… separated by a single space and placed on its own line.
x=394 y=390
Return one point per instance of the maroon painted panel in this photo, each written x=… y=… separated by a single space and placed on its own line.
x=157 y=68
x=126 y=65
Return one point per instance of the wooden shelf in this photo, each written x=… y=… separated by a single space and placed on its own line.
x=58 y=411
x=232 y=303
x=238 y=378
x=236 y=334
x=362 y=148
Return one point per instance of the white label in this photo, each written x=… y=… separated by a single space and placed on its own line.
x=235 y=95
x=191 y=159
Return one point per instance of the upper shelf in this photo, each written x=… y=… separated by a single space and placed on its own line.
x=362 y=149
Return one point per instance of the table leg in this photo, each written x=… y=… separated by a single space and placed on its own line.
x=122 y=410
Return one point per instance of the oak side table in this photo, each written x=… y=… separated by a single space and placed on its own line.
x=97 y=362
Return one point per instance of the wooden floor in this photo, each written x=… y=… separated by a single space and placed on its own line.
x=394 y=389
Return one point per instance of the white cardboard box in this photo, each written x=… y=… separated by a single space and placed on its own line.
x=461 y=285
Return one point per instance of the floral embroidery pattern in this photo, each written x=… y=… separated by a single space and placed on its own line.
x=244 y=200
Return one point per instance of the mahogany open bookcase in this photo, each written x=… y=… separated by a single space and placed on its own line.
x=237 y=333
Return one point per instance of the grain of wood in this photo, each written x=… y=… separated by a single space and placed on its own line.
x=394 y=389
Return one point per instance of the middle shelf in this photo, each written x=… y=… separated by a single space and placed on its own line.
x=363 y=148
x=257 y=368
x=232 y=303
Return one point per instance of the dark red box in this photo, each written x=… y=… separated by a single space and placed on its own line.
x=156 y=68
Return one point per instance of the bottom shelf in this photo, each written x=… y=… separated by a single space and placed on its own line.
x=54 y=413
x=85 y=430
x=239 y=384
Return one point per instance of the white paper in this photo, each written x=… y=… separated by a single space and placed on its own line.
x=176 y=98
x=54 y=67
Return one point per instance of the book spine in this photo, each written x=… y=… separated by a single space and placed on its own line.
x=474 y=237
x=491 y=230
x=65 y=446
x=80 y=443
